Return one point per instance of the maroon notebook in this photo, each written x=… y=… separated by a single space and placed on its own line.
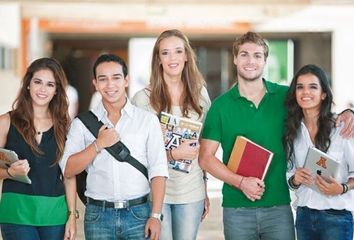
x=249 y=159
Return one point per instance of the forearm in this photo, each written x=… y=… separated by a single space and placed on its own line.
x=158 y=185
x=79 y=161
x=3 y=174
x=216 y=168
x=350 y=184
x=70 y=192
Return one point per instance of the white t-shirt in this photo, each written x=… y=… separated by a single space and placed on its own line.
x=180 y=187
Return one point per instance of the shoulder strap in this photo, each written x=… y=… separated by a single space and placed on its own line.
x=119 y=151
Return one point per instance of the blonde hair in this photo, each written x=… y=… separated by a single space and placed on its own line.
x=192 y=79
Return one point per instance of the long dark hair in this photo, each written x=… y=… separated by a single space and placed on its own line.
x=22 y=109
x=295 y=115
x=192 y=79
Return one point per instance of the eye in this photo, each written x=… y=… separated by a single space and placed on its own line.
x=299 y=87
x=164 y=53
x=37 y=81
x=101 y=79
x=259 y=56
x=314 y=87
x=51 y=85
x=179 y=51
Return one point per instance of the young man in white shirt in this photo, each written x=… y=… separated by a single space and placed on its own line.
x=116 y=191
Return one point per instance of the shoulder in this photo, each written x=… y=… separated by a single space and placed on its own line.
x=204 y=98
x=276 y=87
x=142 y=98
x=5 y=122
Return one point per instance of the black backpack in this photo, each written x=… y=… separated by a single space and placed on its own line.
x=119 y=151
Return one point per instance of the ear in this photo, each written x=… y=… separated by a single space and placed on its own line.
x=235 y=60
x=127 y=80
x=94 y=82
x=323 y=96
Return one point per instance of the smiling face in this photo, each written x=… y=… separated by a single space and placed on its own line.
x=309 y=93
x=250 y=62
x=172 y=56
x=110 y=82
x=42 y=87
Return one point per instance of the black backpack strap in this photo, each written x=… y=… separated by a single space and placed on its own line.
x=119 y=151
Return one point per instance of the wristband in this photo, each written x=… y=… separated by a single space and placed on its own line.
x=345 y=188
x=292 y=184
x=8 y=173
x=97 y=149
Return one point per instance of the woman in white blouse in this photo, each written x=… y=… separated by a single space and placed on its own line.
x=323 y=214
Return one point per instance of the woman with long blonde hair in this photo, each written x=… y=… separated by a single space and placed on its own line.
x=178 y=88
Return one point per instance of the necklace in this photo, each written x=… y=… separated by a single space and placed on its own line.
x=39 y=133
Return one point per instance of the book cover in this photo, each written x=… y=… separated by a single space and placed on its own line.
x=320 y=163
x=249 y=159
x=176 y=130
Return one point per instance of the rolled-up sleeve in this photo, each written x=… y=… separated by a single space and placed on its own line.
x=75 y=142
x=156 y=154
x=349 y=156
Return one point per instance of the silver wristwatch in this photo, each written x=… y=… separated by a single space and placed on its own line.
x=158 y=216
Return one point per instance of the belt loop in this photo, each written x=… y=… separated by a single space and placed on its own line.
x=103 y=206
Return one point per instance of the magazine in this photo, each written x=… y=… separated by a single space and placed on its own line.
x=176 y=130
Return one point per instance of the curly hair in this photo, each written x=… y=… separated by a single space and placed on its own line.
x=22 y=109
x=295 y=115
x=192 y=79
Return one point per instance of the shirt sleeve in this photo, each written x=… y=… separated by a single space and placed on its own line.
x=156 y=154
x=349 y=156
x=75 y=142
x=212 y=126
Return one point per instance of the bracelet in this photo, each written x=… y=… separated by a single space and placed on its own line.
x=97 y=149
x=239 y=186
x=345 y=188
x=8 y=173
x=172 y=155
x=292 y=184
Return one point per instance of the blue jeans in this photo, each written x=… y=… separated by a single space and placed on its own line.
x=113 y=224
x=323 y=224
x=26 y=232
x=274 y=223
x=181 y=221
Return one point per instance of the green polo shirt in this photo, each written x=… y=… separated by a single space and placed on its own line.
x=232 y=115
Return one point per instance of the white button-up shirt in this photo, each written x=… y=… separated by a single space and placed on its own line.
x=111 y=180
x=340 y=149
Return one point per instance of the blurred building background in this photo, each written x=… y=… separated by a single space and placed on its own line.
x=75 y=32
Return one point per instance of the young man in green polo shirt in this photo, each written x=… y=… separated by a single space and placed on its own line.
x=253 y=108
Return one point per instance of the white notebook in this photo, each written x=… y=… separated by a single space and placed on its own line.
x=320 y=163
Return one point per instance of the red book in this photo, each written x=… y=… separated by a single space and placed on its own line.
x=249 y=159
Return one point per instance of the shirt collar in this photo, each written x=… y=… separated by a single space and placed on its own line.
x=269 y=86
x=101 y=112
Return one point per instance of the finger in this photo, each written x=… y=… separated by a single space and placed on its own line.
x=147 y=229
x=103 y=127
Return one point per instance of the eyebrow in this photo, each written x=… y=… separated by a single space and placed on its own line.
x=114 y=75
x=36 y=78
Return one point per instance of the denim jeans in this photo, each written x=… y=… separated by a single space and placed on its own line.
x=113 y=224
x=274 y=223
x=26 y=232
x=328 y=224
x=181 y=221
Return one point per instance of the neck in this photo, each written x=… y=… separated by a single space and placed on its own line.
x=252 y=90
x=175 y=89
x=41 y=112
x=310 y=117
x=114 y=109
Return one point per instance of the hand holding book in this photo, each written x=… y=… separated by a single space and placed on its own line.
x=252 y=187
x=19 y=168
x=188 y=150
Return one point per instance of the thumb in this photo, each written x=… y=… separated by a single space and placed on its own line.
x=103 y=127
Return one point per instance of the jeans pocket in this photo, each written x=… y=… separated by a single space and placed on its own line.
x=141 y=212
x=336 y=212
x=92 y=213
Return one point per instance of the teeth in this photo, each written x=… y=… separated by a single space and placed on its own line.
x=173 y=65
